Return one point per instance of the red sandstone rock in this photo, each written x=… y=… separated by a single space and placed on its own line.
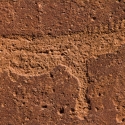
x=60 y=62
x=106 y=88
x=44 y=99
x=39 y=17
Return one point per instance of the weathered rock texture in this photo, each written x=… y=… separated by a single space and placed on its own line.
x=62 y=62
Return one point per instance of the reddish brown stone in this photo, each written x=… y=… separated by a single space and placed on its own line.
x=18 y=17
x=58 y=97
x=38 y=100
x=106 y=88
x=39 y=17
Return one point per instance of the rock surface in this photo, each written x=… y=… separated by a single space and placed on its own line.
x=62 y=62
x=50 y=17
x=106 y=90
